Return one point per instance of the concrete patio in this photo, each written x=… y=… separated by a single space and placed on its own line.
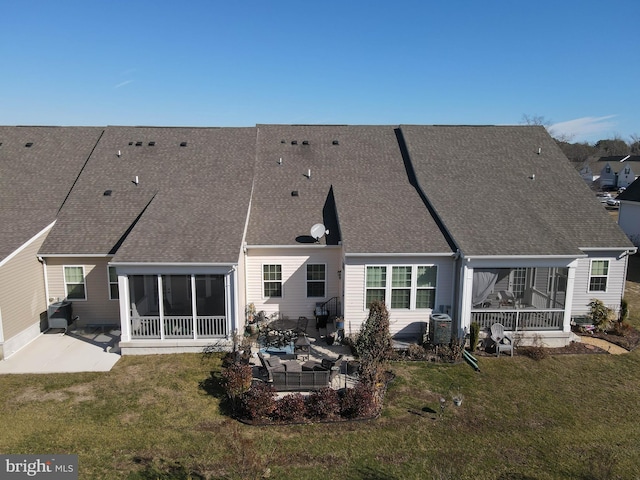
x=91 y=350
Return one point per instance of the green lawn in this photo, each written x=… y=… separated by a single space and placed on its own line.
x=564 y=417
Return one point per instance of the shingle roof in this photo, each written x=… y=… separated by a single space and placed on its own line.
x=35 y=180
x=596 y=164
x=362 y=167
x=190 y=203
x=632 y=192
x=479 y=181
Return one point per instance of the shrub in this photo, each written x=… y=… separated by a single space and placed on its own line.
x=600 y=315
x=624 y=310
x=259 y=402
x=474 y=337
x=373 y=344
x=358 y=402
x=289 y=408
x=416 y=352
x=323 y=403
x=236 y=380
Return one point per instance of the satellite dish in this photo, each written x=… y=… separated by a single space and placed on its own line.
x=318 y=231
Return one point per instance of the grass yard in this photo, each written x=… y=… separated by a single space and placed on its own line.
x=564 y=417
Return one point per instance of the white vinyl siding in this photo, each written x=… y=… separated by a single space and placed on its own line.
x=615 y=282
x=403 y=322
x=294 y=302
x=22 y=291
x=98 y=308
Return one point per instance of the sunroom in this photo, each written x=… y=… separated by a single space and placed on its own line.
x=520 y=298
x=174 y=307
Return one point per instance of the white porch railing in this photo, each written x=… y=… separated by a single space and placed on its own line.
x=520 y=319
x=179 y=327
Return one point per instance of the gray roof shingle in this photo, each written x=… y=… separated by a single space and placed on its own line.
x=377 y=209
x=35 y=180
x=480 y=182
x=190 y=203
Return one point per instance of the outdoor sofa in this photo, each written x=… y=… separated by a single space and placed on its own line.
x=291 y=375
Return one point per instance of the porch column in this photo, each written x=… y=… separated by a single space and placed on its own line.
x=466 y=289
x=568 y=303
x=125 y=309
x=161 y=305
x=194 y=305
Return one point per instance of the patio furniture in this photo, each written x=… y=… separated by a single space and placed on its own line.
x=503 y=342
x=301 y=326
x=302 y=347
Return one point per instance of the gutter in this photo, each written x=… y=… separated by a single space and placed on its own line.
x=520 y=257
x=280 y=247
x=413 y=254
x=46 y=278
x=172 y=264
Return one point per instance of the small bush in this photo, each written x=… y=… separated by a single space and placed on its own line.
x=323 y=403
x=259 y=402
x=536 y=352
x=289 y=408
x=624 y=310
x=358 y=402
x=416 y=352
x=600 y=315
x=236 y=380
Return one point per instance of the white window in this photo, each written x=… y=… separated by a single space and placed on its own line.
x=376 y=285
x=272 y=280
x=598 y=275
x=74 y=283
x=426 y=287
x=316 y=280
x=113 y=284
x=401 y=287
x=408 y=287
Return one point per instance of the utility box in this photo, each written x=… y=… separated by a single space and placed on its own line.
x=60 y=314
x=439 y=329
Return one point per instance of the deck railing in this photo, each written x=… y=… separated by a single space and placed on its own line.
x=520 y=319
x=179 y=327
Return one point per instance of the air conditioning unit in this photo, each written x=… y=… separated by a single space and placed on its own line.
x=439 y=329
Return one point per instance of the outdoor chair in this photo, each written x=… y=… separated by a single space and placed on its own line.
x=503 y=342
x=301 y=326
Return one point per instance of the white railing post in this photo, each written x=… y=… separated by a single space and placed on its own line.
x=161 y=305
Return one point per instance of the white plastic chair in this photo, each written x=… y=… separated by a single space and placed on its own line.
x=503 y=343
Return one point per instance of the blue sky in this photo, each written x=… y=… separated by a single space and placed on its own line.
x=238 y=63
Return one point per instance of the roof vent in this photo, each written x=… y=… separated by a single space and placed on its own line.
x=130 y=143
x=335 y=142
x=283 y=141
x=119 y=153
x=305 y=142
x=28 y=144
x=294 y=193
x=294 y=142
x=107 y=193
x=138 y=144
x=152 y=144
x=183 y=144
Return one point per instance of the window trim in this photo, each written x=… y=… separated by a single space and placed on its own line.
x=84 y=283
x=263 y=281
x=109 y=282
x=388 y=287
x=323 y=281
x=591 y=275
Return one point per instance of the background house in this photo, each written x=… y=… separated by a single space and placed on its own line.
x=629 y=213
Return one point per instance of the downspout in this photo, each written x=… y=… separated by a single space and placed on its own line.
x=236 y=301
x=46 y=278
